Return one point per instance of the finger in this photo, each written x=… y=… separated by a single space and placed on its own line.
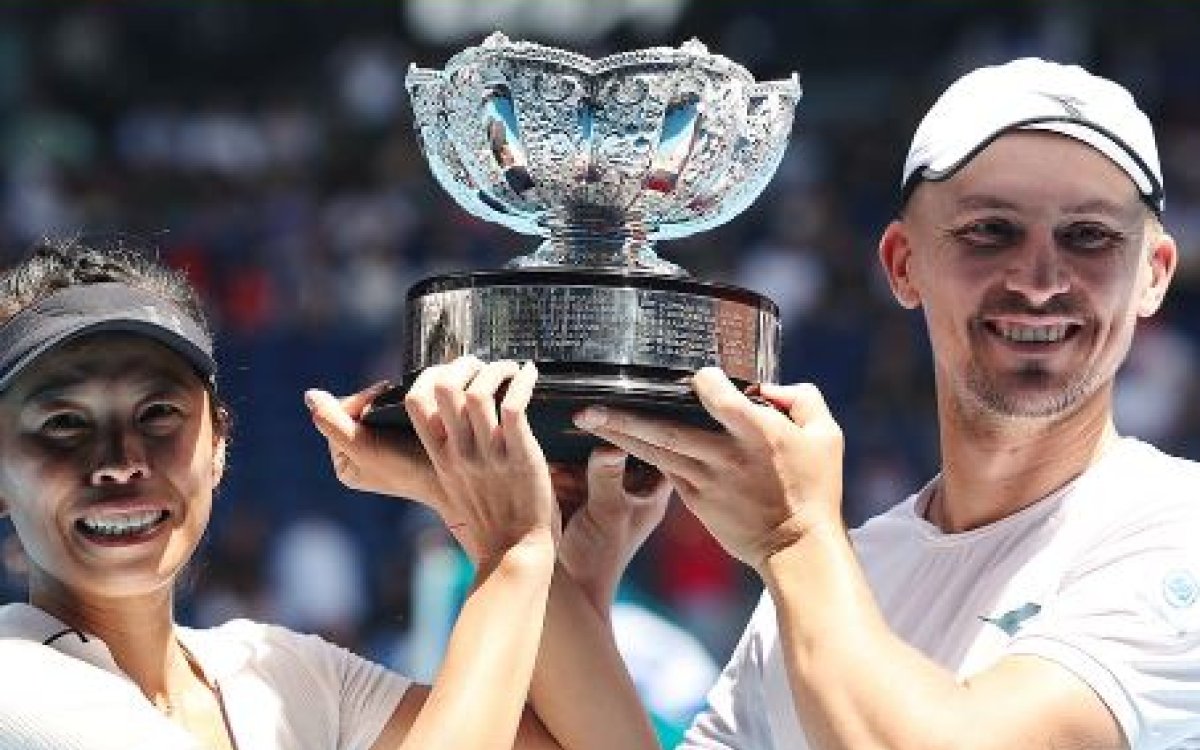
x=657 y=443
x=447 y=385
x=606 y=478
x=727 y=404
x=422 y=410
x=421 y=403
x=697 y=443
x=338 y=428
x=802 y=402
x=481 y=399
x=330 y=417
x=515 y=433
x=356 y=403
x=458 y=371
x=451 y=407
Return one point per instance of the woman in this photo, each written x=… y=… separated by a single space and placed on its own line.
x=112 y=440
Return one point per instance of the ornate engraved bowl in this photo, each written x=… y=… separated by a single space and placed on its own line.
x=600 y=157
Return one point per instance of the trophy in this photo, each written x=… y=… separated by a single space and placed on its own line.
x=600 y=158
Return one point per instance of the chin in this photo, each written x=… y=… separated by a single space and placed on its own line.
x=1032 y=394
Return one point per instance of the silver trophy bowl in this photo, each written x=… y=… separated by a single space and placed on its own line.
x=600 y=158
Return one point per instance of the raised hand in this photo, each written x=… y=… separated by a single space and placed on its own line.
x=759 y=485
x=496 y=488
x=616 y=510
x=366 y=458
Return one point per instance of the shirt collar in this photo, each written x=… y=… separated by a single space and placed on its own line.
x=217 y=657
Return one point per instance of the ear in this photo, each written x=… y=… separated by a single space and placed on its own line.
x=895 y=254
x=1163 y=256
x=218 y=462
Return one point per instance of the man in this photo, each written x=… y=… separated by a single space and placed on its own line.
x=1043 y=591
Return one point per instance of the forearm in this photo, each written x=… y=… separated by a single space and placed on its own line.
x=581 y=689
x=481 y=690
x=855 y=684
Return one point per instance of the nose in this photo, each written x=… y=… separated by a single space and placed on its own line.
x=122 y=459
x=1037 y=271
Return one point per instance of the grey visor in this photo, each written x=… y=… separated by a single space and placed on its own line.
x=109 y=307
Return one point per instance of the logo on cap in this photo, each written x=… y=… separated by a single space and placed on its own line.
x=1069 y=103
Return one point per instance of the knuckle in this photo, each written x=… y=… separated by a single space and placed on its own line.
x=414 y=401
x=511 y=415
x=808 y=390
x=478 y=400
x=723 y=405
x=778 y=441
x=418 y=410
x=672 y=439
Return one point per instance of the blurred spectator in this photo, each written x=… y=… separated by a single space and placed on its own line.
x=1156 y=383
x=230 y=580
x=318 y=579
x=696 y=580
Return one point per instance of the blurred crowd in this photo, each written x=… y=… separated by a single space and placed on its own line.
x=267 y=149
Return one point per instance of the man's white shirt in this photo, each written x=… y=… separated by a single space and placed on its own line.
x=1102 y=578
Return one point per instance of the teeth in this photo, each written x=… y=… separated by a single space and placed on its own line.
x=1040 y=334
x=117 y=524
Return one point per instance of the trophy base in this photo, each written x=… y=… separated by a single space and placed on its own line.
x=556 y=399
x=598 y=336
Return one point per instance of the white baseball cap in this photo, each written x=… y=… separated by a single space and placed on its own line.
x=1034 y=94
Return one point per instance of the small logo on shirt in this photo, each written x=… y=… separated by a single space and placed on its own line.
x=1010 y=622
x=1180 y=588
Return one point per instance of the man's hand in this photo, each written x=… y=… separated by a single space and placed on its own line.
x=615 y=510
x=759 y=485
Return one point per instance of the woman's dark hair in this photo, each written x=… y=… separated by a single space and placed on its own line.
x=55 y=264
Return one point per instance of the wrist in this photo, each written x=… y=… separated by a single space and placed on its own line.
x=599 y=594
x=793 y=539
x=532 y=551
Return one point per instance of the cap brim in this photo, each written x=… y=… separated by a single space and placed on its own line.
x=92 y=309
x=201 y=361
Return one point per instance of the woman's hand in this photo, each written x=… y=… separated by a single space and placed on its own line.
x=367 y=458
x=496 y=489
x=616 y=510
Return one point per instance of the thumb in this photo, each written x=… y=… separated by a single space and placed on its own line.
x=606 y=477
x=330 y=416
x=355 y=404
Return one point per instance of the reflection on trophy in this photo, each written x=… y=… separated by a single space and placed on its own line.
x=601 y=158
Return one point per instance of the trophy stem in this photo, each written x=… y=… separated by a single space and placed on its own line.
x=590 y=237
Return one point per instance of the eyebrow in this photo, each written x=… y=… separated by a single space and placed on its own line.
x=983 y=200
x=55 y=386
x=973 y=201
x=1101 y=206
